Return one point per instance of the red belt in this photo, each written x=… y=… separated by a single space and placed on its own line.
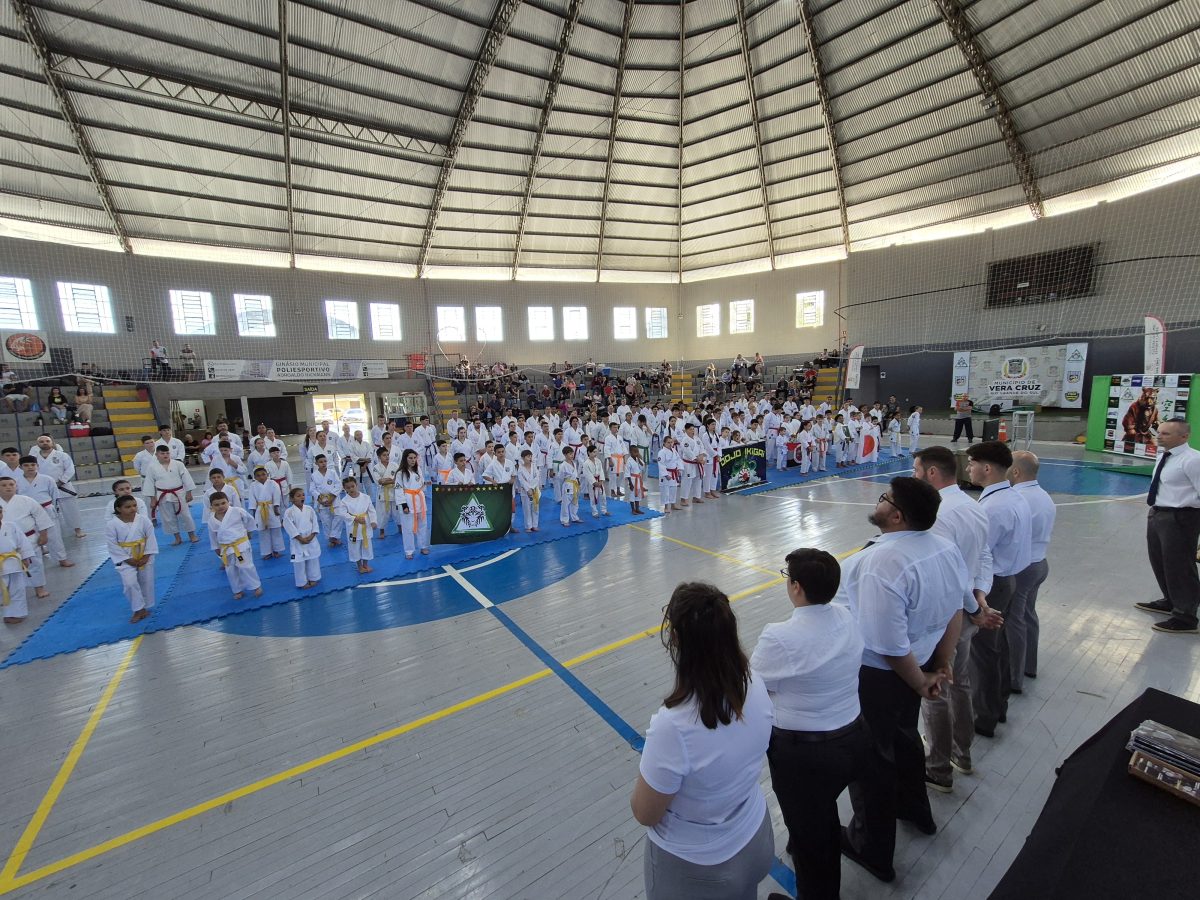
x=175 y=493
x=696 y=463
x=675 y=474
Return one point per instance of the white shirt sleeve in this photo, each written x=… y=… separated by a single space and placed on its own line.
x=664 y=758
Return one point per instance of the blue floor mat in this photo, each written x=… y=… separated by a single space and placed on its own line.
x=887 y=465
x=191 y=587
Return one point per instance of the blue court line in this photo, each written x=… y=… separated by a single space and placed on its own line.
x=783 y=875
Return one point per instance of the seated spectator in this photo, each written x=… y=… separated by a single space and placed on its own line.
x=191 y=448
x=205 y=441
x=8 y=376
x=84 y=402
x=57 y=404
x=15 y=399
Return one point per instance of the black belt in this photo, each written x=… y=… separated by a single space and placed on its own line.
x=816 y=736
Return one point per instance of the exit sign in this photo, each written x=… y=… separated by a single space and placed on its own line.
x=308 y=388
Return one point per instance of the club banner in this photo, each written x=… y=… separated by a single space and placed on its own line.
x=1045 y=376
x=854 y=367
x=25 y=347
x=1155 y=352
x=470 y=513
x=1137 y=404
x=297 y=370
x=743 y=467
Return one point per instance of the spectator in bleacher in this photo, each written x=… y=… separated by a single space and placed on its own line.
x=759 y=365
x=8 y=376
x=159 y=364
x=57 y=404
x=187 y=361
x=15 y=399
x=83 y=401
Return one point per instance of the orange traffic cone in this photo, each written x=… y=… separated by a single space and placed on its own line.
x=1003 y=435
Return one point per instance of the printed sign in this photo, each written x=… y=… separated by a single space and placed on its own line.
x=1137 y=404
x=294 y=369
x=743 y=467
x=1155 y=350
x=854 y=368
x=470 y=513
x=1045 y=376
x=25 y=347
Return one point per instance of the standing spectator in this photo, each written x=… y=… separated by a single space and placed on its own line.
x=187 y=361
x=963 y=408
x=820 y=743
x=1022 y=619
x=697 y=792
x=906 y=591
x=1173 y=527
x=159 y=365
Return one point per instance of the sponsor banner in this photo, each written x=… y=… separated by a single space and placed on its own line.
x=470 y=513
x=1155 y=352
x=743 y=467
x=296 y=370
x=854 y=367
x=1137 y=404
x=25 y=347
x=1043 y=376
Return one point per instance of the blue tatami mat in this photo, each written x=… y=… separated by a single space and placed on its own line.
x=191 y=587
x=789 y=477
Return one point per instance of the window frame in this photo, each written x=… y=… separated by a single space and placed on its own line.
x=481 y=334
x=103 y=313
x=266 y=311
x=460 y=326
x=350 y=306
x=549 y=323
x=734 y=306
x=570 y=311
x=820 y=306
x=631 y=327
x=713 y=311
x=22 y=304
x=394 y=309
x=651 y=314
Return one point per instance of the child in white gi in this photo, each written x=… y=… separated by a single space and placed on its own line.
x=807 y=443
x=557 y=446
x=410 y=500
x=529 y=489
x=593 y=477
x=616 y=449
x=16 y=556
x=303 y=528
x=461 y=473
x=635 y=472
x=324 y=485
x=279 y=471
x=669 y=473
x=781 y=442
x=357 y=511
x=568 y=488
x=443 y=462
x=122 y=488
x=266 y=501
x=386 y=507
x=894 y=435
x=43 y=491
x=229 y=530
x=692 y=455
x=914 y=429
x=164 y=481
x=132 y=547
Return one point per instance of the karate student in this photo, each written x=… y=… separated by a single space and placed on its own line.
x=529 y=489
x=557 y=446
x=278 y=469
x=820 y=432
x=52 y=461
x=710 y=443
x=615 y=452
x=807 y=443
x=426 y=436
x=443 y=462
x=132 y=547
x=233 y=467
x=692 y=455
x=543 y=444
x=384 y=477
x=145 y=456
x=498 y=470
x=894 y=435
x=593 y=476
x=461 y=473
x=273 y=441
x=216 y=484
x=463 y=444
x=914 y=428
x=17 y=556
x=568 y=488
x=670 y=473
x=323 y=489
x=229 y=530
x=781 y=442
x=123 y=488
x=356 y=510
x=266 y=501
x=573 y=436
x=304 y=533
x=43 y=491
x=635 y=471
x=258 y=454
x=410 y=499
x=359 y=455
x=165 y=436
x=165 y=480
x=10 y=463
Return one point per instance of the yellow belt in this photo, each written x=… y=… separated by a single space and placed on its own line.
x=11 y=554
x=574 y=482
x=360 y=530
x=389 y=491
x=136 y=549
x=230 y=552
x=264 y=510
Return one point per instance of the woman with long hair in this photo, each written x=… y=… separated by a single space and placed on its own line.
x=709 y=834
x=410 y=500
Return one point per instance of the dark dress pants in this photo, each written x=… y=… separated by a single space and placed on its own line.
x=960 y=424
x=1171 y=536
x=991 y=678
x=808 y=774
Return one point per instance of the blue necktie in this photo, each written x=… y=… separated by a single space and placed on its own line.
x=1154 y=482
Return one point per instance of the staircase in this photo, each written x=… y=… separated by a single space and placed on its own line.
x=445 y=401
x=682 y=385
x=829 y=383
x=131 y=418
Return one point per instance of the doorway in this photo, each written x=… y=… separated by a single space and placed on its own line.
x=339 y=409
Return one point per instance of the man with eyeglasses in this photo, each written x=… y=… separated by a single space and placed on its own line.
x=905 y=589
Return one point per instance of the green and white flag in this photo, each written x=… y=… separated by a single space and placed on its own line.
x=465 y=514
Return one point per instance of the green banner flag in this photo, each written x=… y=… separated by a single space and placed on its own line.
x=468 y=513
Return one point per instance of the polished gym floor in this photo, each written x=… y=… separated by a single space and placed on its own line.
x=325 y=749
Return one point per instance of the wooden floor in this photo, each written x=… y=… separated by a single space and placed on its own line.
x=492 y=754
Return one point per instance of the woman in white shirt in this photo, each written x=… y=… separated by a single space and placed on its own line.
x=709 y=834
x=810 y=664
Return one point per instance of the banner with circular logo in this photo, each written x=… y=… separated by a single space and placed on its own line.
x=25 y=347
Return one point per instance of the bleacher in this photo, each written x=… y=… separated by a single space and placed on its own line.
x=94 y=456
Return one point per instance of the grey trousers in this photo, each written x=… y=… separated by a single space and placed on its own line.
x=1171 y=536
x=1021 y=623
x=989 y=660
x=950 y=720
x=670 y=878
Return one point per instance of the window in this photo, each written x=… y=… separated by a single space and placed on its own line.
x=656 y=323
x=810 y=309
x=489 y=324
x=385 y=321
x=625 y=323
x=341 y=319
x=451 y=324
x=192 y=312
x=86 y=307
x=575 y=323
x=541 y=323
x=254 y=315
x=741 y=316
x=16 y=305
x=708 y=320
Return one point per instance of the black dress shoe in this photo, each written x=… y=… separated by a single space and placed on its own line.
x=925 y=826
x=1002 y=718
x=848 y=851
x=985 y=732
x=1032 y=675
x=1176 y=625
x=1155 y=606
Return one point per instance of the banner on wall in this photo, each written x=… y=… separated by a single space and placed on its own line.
x=470 y=513
x=1137 y=404
x=743 y=467
x=854 y=367
x=25 y=347
x=297 y=370
x=1045 y=376
x=1155 y=352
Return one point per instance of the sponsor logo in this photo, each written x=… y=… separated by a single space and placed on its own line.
x=1015 y=367
x=25 y=346
x=1072 y=396
x=1072 y=377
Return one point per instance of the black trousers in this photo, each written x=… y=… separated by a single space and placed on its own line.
x=1171 y=537
x=808 y=777
x=892 y=784
x=960 y=424
x=991 y=676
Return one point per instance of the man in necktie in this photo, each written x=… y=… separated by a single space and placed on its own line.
x=1173 y=529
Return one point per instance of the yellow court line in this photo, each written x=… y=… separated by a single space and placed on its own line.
x=42 y=813
x=718 y=555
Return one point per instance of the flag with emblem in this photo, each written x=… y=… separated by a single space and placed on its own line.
x=466 y=514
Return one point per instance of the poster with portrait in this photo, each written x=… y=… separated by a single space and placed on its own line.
x=1137 y=405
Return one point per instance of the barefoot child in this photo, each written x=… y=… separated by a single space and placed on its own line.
x=16 y=556
x=165 y=481
x=357 y=512
x=300 y=523
x=410 y=504
x=635 y=472
x=266 y=502
x=132 y=547
x=670 y=472
x=529 y=489
x=229 y=530
x=568 y=488
x=594 y=476
x=386 y=508
x=323 y=488
x=122 y=488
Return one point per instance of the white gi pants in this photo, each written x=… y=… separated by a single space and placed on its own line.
x=174 y=514
x=138 y=585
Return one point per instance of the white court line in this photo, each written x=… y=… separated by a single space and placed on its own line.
x=469 y=588
x=766 y=495
x=480 y=565
x=1104 y=500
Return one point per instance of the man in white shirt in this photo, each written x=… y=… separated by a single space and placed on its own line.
x=950 y=718
x=1022 y=624
x=1173 y=528
x=906 y=590
x=59 y=466
x=1010 y=531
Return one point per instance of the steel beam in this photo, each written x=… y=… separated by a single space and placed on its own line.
x=752 y=94
x=560 y=60
x=33 y=34
x=814 y=55
x=501 y=20
x=993 y=101
x=612 y=132
x=679 y=171
x=286 y=108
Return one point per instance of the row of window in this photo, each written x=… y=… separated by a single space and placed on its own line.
x=88 y=308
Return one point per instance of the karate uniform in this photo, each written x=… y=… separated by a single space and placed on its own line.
x=635 y=473
x=280 y=473
x=528 y=484
x=358 y=517
x=593 y=476
x=690 y=452
x=568 y=490
x=235 y=472
x=386 y=507
x=60 y=467
x=442 y=465
x=459 y=476
x=914 y=432
x=169 y=486
x=670 y=473
x=894 y=436
x=710 y=442
x=15 y=573
x=615 y=453
x=209 y=453
x=807 y=444
x=232 y=494
x=133 y=540
x=329 y=484
x=43 y=491
x=306 y=558
x=414 y=524
x=266 y=502
x=230 y=537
